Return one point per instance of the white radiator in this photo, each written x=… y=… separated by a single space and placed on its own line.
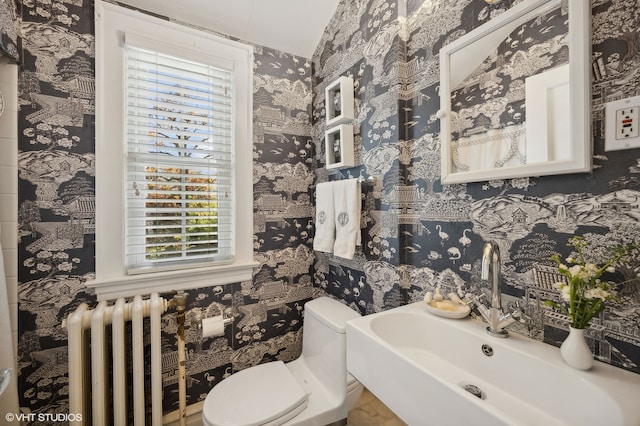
x=105 y=410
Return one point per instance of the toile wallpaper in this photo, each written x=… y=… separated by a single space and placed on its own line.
x=419 y=234
x=57 y=215
x=416 y=233
x=9 y=30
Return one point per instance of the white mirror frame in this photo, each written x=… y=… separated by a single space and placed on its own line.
x=579 y=40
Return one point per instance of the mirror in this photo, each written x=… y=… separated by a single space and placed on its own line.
x=515 y=94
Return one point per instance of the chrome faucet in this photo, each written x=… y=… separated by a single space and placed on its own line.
x=494 y=315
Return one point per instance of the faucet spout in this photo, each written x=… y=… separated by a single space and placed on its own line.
x=490 y=271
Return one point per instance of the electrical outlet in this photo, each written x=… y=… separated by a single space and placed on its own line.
x=627 y=123
x=622 y=124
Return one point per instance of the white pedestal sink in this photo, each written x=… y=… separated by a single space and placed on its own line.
x=437 y=371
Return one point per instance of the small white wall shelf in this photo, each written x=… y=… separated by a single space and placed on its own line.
x=339 y=101
x=339 y=147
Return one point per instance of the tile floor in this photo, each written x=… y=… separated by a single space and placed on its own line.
x=370 y=411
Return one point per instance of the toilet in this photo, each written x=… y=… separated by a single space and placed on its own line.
x=315 y=389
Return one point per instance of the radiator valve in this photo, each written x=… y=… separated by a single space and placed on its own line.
x=180 y=300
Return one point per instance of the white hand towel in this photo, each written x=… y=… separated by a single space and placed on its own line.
x=347 y=202
x=325 y=218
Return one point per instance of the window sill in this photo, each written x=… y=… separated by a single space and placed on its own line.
x=163 y=282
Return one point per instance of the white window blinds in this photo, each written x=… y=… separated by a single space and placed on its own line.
x=179 y=183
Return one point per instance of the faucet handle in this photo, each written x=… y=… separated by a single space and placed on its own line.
x=473 y=299
x=517 y=312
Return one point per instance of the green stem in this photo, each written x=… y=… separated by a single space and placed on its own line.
x=573 y=289
x=595 y=308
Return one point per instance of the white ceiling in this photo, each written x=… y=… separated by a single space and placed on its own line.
x=293 y=26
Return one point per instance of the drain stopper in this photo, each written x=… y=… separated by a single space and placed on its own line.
x=487 y=350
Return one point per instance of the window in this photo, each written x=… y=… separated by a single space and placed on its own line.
x=179 y=135
x=172 y=137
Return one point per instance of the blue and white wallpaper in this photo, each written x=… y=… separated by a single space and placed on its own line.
x=419 y=234
x=57 y=214
x=9 y=29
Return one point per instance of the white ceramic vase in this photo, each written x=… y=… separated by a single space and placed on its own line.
x=575 y=351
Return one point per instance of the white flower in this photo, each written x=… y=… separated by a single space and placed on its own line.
x=578 y=272
x=565 y=292
x=596 y=293
x=591 y=270
x=585 y=293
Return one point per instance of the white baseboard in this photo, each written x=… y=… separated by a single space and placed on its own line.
x=194 y=416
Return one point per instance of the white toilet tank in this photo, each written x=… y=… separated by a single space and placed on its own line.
x=324 y=341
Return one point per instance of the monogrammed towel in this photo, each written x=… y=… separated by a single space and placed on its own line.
x=325 y=218
x=347 y=205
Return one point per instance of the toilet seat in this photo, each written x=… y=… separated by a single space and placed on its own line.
x=248 y=398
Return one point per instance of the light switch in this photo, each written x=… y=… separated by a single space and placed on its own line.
x=622 y=125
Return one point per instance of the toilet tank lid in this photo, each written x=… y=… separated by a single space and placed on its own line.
x=331 y=313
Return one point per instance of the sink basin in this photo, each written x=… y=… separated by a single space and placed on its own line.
x=433 y=370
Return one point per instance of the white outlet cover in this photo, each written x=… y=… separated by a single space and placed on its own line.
x=611 y=143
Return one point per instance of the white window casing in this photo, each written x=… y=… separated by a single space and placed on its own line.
x=173 y=146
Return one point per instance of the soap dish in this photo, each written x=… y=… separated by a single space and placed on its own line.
x=459 y=313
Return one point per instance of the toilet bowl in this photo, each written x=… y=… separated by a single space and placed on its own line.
x=314 y=389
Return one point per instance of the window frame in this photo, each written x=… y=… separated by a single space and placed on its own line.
x=112 y=280
x=139 y=50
